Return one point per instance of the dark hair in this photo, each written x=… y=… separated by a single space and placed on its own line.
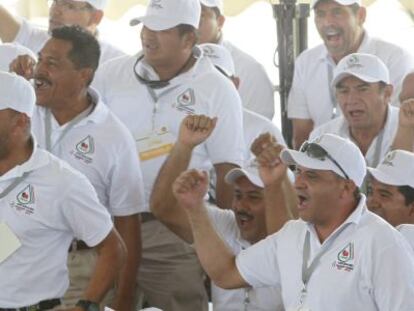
x=85 y=52
x=408 y=193
x=185 y=28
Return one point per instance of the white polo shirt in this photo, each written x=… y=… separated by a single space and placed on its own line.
x=46 y=211
x=102 y=148
x=265 y=298
x=254 y=125
x=310 y=96
x=155 y=124
x=255 y=89
x=35 y=38
x=339 y=126
x=9 y=51
x=407 y=231
x=367 y=267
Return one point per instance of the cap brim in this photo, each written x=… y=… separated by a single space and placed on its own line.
x=232 y=176
x=293 y=157
x=345 y=74
x=153 y=23
x=387 y=178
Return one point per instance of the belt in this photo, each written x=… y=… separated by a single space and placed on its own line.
x=43 y=305
x=78 y=245
x=147 y=216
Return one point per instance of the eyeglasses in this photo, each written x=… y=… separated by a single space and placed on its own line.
x=69 y=5
x=315 y=151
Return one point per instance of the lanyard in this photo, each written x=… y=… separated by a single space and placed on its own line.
x=331 y=92
x=308 y=271
x=69 y=126
x=14 y=184
x=378 y=145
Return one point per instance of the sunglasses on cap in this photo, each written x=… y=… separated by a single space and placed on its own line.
x=315 y=151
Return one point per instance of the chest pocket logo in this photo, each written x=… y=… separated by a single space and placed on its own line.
x=185 y=101
x=345 y=258
x=25 y=200
x=86 y=145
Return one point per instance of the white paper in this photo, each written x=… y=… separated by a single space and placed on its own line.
x=9 y=242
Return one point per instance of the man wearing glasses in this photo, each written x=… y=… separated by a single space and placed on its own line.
x=338 y=254
x=87 y=14
x=363 y=91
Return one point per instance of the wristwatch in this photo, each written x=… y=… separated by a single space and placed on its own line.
x=88 y=305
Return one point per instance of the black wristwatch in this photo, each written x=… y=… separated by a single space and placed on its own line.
x=88 y=305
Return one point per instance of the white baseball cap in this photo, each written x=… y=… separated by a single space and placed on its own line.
x=220 y=57
x=346 y=154
x=367 y=67
x=397 y=169
x=251 y=172
x=213 y=4
x=342 y=2
x=16 y=93
x=97 y=4
x=166 y=14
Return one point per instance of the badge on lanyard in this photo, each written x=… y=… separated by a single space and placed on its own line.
x=157 y=144
x=9 y=243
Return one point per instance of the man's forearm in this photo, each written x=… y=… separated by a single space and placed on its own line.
x=111 y=257
x=9 y=25
x=215 y=257
x=177 y=162
x=129 y=228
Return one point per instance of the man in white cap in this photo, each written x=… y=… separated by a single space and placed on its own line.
x=340 y=24
x=363 y=91
x=391 y=191
x=256 y=90
x=248 y=221
x=45 y=205
x=9 y=52
x=151 y=93
x=71 y=122
x=338 y=254
x=85 y=13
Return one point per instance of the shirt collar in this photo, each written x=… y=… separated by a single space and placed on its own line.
x=38 y=159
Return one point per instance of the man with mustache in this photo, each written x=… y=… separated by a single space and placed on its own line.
x=340 y=24
x=88 y=14
x=73 y=123
x=363 y=91
x=255 y=201
x=45 y=205
x=338 y=255
x=391 y=191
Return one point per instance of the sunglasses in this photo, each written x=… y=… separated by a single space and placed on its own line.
x=315 y=151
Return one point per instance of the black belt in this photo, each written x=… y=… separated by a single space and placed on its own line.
x=43 y=305
x=147 y=216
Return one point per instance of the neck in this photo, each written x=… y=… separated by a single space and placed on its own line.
x=364 y=136
x=338 y=56
x=170 y=71
x=18 y=155
x=67 y=111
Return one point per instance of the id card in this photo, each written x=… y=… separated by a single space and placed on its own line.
x=155 y=145
x=9 y=243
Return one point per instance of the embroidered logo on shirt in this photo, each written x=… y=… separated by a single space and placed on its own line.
x=83 y=149
x=345 y=258
x=185 y=100
x=25 y=200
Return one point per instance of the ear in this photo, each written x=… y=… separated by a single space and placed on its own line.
x=86 y=75
x=411 y=209
x=190 y=39
x=361 y=15
x=220 y=21
x=388 y=90
x=95 y=18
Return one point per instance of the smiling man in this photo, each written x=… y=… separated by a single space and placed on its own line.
x=340 y=24
x=363 y=90
x=338 y=254
x=391 y=191
x=87 y=14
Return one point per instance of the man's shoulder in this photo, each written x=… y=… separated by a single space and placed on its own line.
x=240 y=57
x=331 y=127
x=312 y=55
